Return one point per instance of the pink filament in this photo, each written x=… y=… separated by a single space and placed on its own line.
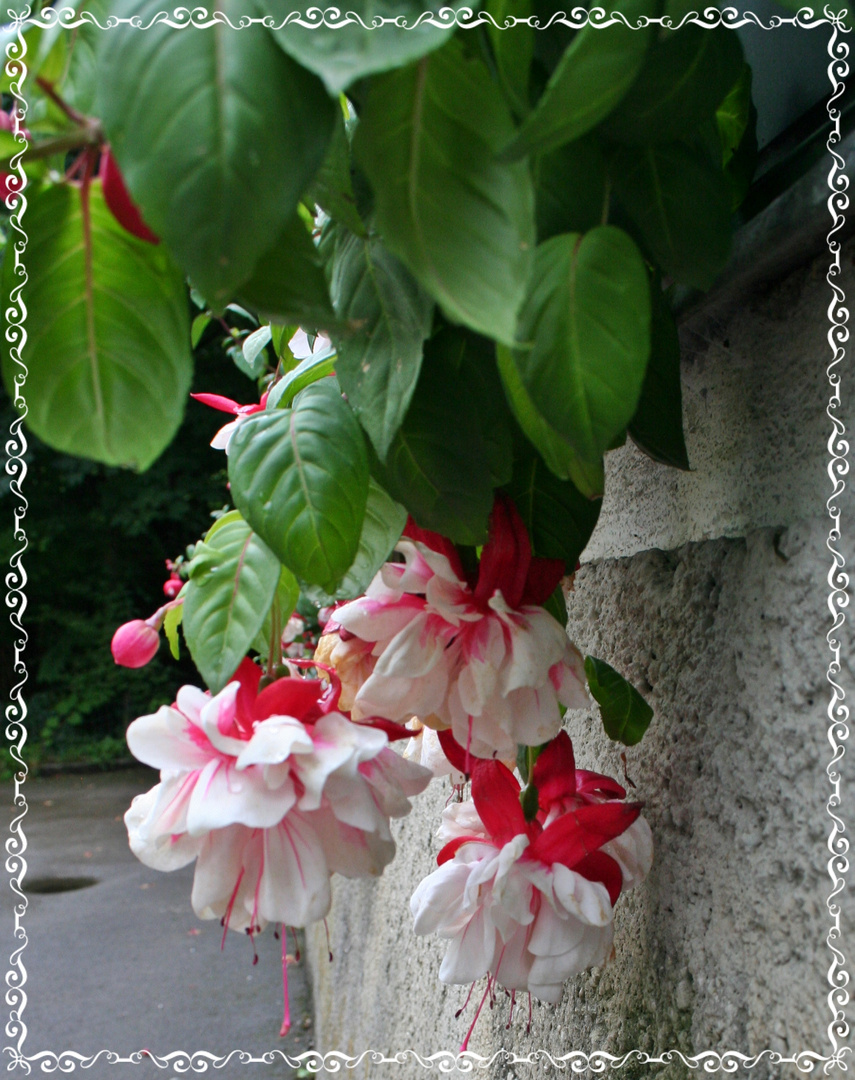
x=286 y=1014
x=229 y=907
x=477 y=1014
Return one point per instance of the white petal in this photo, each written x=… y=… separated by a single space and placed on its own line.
x=470 y=953
x=222 y=796
x=153 y=847
x=633 y=852
x=295 y=884
x=437 y=903
x=586 y=900
x=162 y=741
x=273 y=741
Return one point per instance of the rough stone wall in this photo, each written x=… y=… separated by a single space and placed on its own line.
x=723 y=947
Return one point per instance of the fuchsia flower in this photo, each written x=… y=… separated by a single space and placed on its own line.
x=216 y=401
x=480 y=656
x=271 y=792
x=531 y=903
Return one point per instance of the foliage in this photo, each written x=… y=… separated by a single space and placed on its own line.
x=481 y=223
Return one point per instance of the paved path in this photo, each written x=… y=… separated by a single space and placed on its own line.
x=124 y=964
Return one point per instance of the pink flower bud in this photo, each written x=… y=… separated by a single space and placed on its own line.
x=134 y=643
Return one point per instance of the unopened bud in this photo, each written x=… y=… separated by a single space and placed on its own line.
x=134 y=643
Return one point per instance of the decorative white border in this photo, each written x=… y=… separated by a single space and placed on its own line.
x=577 y=1061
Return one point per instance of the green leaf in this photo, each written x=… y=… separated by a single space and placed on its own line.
x=657 y=426
x=253 y=349
x=384 y=522
x=227 y=599
x=558 y=455
x=308 y=371
x=77 y=77
x=108 y=353
x=572 y=189
x=287 y=595
x=474 y=360
x=626 y=715
x=513 y=48
x=380 y=359
x=341 y=55
x=595 y=72
x=171 y=622
x=217 y=134
x=461 y=222
x=300 y=478
x=288 y=284
x=586 y=333
x=332 y=188
x=558 y=517
x=681 y=205
x=200 y=325
x=437 y=465
x=685 y=77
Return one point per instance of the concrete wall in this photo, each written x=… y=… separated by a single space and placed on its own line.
x=708 y=590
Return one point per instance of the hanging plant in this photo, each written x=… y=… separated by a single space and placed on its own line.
x=455 y=253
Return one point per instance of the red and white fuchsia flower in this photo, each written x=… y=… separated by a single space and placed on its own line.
x=271 y=792
x=530 y=903
x=241 y=412
x=481 y=656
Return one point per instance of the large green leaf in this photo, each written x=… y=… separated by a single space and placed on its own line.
x=233 y=580
x=332 y=188
x=681 y=204
x=461 y=222
x=686 y=75
x=316 y=366
x=352 y=48
x=513 y=48
x=474 y=360
x=558 y=517
x=437 y=465
x=108 y=352
x=558 y=455
x=390 y=317
x=593 y=75
x=288 y=283
x=585 y=330
x=626 y=715
x=300 y=478
x=657 y=426
x=572 y=189
x=218 y=134
x=381 y=530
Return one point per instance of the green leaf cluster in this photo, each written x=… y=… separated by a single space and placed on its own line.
x=482 y=224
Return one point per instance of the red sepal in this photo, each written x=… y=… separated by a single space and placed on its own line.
x=453 y=846
x=217 y=401
x=506 y=558
x=591 y=783
x=601 y=867
x=554 y=772
x=290 y=696
x=496 y=795
x=542 y=581
x=119 y=202
x=436 y=542
x=454 y=752
x=394 y=732
x=580 y=832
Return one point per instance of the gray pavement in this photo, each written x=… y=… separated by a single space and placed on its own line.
x=123 y=964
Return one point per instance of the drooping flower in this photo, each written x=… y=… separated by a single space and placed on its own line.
x=481 y=656
x=530 y=903
x=270 y=792
x=216 y=401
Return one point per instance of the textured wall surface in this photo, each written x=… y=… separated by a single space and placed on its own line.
x=723 y=947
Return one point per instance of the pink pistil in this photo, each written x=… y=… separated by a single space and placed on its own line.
x=477 y=1014
x=286 y=1014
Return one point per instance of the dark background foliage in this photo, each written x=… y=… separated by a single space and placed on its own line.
x=98 y=540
